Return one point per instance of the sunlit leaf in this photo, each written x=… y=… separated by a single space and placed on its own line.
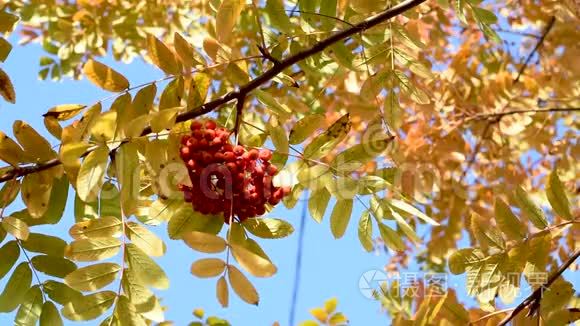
x=208 y=267
x=93 y=249
x=227 y=16
x=105 y=77
x=106 y=226
x=60 y=292
x=161 y=55
x=127 y=314
x=45 y=244
x=530 y=209
x=36 y=191
x=31 y=308
x=242 y=286
x=6 y=87
x=93 y=277
x=204 y=242
x=145 y=239
x=365 y=231
x=317 y=204
x=252 y=262
x=64 y=112
x=89 y=307
x=391 y=238
x=91 y=174
x=507 y=222
x=557 y=196
x=9 y=252
x=222 y=291
x=305 y=127
x=268 y=228
x=32 y=142
x=16 y=227
x=340 y=217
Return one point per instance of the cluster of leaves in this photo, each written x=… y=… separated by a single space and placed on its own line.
x=327 y=315
x=7 y=24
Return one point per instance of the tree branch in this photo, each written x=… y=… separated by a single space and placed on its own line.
x=499 y=115
x=537 y=294
x=536 y=48
x=253 y=84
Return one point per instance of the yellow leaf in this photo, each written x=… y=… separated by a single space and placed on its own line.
x=93 y=249
x=145 y=239
x=89 y=307
x=106 y=226
x=91 y=174
x=105 y=77
x=6 y=87
x=36 y=189
x=340 y=217
x=50 y=315
x=16 y=227
x=252 y=262
x=305 y=127
x=208 y=267
x=10 y=151
x=64 y=111
x=185 y=51
x=32 y=143
x=51 y=124
x=324 y=143
x=227 y=16
x=161 y=55
x=15 y=290
x=93 y=277
x=127 y=314
x=222 y=291
x=204 y=242
x=164 y=119
x=557 y=196
x=242 y=286
x=128 y=175
x=330 y=305
x=319 y=314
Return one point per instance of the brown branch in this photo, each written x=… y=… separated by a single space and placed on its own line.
x=537 y=294
x=253 y=84
x=499 y=115
x=536 y=48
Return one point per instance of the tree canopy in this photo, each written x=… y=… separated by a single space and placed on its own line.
x=450 y=125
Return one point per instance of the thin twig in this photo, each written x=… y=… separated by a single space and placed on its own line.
x=254 y=83
x=490 y=315
x=298 y=264
x=537 y=294
x=536 y=48
x=485 y=116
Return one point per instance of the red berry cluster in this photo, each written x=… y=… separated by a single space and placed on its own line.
x=227 y=179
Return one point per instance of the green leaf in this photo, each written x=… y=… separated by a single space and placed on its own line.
x=358 y=155
x=507 y=222
x=31 y=308
x=317 y=204
x=208 y=267
x=185 y=219
x=127 y=313
x=93 y=249
x=268 y=228
x=365 y=231
x=93 y=277
x=484 y=16
x=9 y=252
x=89 y=307
x=45 y=244
x=146 y=269
x=530 y=209
x=60 y=292
x=50 y=315
x=145 y=239
x=106 y=226
x=16 y=288
x=557 y=196
x=391 y=238
x=91 y=173
x=53 y=265
x=340 y=217
x=16 y=227
x=277 y=15
x=403 y=225
x=9 y=191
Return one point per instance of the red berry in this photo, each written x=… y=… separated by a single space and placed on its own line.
x=195 y=125
x=203 y=144
x=239 y=150
x=265 y=155
x=209 y=134
x=197 y=134
x=185 y=153
x=218 y=157
x=272 y=170
x=191 y=164
x=229 y=157
x=184 y=139
x=210 y=124
x=286 y=190
x=253 y=154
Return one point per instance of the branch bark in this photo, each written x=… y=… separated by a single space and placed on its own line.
x=256 y=82
x=537 y=294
